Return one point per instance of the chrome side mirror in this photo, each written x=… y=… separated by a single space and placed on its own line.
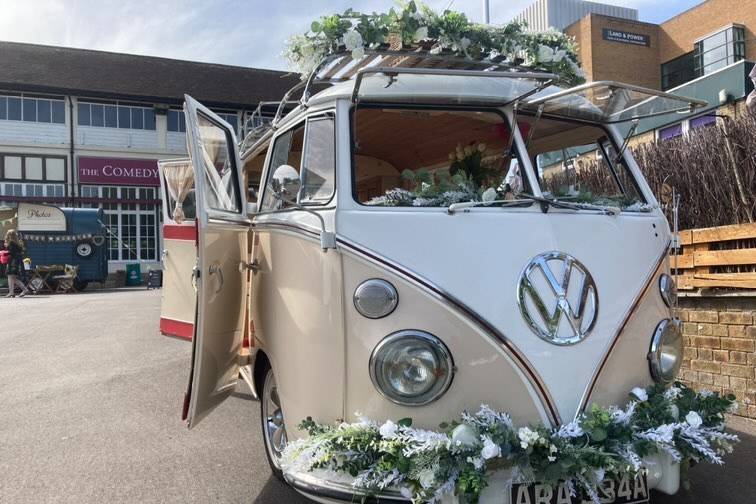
x=285 y=183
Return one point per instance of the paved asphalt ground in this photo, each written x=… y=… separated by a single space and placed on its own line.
x=90 y=399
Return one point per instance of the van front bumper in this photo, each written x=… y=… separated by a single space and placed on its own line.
x=663 y=475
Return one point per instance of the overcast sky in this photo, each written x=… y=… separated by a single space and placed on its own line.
x=234 y=32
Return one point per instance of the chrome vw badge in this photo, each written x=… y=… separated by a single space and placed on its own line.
x=558 y=298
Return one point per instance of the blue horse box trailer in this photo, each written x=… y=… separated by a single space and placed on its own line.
x=60 y=236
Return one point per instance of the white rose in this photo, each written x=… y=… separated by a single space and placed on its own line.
x=388 y=430
x=545 y=54
x=358 y=53
x=464 y=435
x=694 y=419
x=426 y=478
x=352 y=40
x=490 y=449
x=420 y=34
x=489 y=194
x=640 y=393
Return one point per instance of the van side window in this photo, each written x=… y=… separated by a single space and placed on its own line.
x=287 y=150
x=319 y=162
x=253 y=169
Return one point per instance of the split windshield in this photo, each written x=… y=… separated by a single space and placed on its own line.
x=408 y=157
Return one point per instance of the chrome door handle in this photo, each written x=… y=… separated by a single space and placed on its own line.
x=254 y=266
x=195 y=276
x=216 y=269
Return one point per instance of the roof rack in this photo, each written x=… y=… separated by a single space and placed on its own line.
x=259 y=131
x=340 y=67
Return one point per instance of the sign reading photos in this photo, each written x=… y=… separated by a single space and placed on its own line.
x=33 y=217
x=626 y=37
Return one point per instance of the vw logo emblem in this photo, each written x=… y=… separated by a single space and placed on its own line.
x=558 y=298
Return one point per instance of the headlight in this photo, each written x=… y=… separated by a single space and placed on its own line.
x=665 y=357
x=411 y=367
x=668 y=289
x=375 y=298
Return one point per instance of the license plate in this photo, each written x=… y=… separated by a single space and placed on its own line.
x=626 y=490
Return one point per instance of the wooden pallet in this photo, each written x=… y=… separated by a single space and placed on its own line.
x=718 y=257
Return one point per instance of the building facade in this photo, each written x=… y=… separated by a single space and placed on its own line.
x=86 y=128
x=544 y=15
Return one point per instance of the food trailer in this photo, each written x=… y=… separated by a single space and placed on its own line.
x=63 y=236
x=436 y=241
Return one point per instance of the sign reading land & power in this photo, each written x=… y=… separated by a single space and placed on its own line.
x=626 y=37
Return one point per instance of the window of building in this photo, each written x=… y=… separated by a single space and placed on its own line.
x=20 y=167
x=19 y=190
x=678 y=71
x=673 y=131
x=116 y=115
x=176 y=121
x=231 y=118
x=132 y=221
x=702 y=122
x=32 y=109
x=719 y=50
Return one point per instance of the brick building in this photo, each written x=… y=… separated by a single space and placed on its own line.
x=85 y=129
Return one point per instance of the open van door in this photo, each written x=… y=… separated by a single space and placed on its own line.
x=179 y=256
x=220 y=276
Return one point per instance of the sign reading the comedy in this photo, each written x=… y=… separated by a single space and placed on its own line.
x=118 y=171
x=626 y=37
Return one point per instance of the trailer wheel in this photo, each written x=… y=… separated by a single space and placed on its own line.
x=272 y=421
x=80 y=285
x=84 y=249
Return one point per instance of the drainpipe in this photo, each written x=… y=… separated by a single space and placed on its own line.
x=71 y=138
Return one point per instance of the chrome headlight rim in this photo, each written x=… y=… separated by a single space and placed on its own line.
x=441 y=351
x=655 y=353
x=376 y=282
x=668 y=289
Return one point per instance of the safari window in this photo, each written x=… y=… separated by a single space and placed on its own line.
x=406 y=157
x=219 y=170
x=287 y=150
x=577 y=162
x=319 y=162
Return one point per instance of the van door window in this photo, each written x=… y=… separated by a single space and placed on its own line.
x=218 y=171
x=287 y=150
x=319 y=162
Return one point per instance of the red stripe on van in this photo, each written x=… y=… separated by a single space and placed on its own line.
x=177 y=328
x=176 y=232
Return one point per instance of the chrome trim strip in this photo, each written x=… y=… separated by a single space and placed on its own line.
x=517 y=356
x=647 y=285
x=310 y=485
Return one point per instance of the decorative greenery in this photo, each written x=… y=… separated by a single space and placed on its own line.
x=603 y=443
x=415 y=26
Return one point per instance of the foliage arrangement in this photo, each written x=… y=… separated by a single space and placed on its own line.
x=603 y=443
x=415 y=26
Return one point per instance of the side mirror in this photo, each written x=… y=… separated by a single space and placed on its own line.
x=286 y=183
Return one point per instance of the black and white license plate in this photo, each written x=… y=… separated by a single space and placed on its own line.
x=627 y=490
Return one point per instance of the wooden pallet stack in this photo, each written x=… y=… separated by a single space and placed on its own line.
x=721 y=257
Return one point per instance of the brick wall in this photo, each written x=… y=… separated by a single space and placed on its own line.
x=720 y=347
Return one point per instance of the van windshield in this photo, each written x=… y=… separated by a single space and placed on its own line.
x=577 y=162
x=407 y=157
x=433 y=158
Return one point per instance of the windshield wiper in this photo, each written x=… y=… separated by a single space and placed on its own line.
x=568 y=205
x=466 y=205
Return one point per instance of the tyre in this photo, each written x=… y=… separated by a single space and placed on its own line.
x=272 y=421
x=80 y=285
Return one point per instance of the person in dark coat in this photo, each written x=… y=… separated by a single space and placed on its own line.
x=15 y=266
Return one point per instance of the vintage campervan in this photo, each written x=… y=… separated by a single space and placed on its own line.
x=424 y=240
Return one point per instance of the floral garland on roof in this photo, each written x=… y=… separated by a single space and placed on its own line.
x=603 y=443
x=415 y=26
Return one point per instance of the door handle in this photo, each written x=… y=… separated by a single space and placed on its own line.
x=195 y=276
x=215 y=269
x=254 y=266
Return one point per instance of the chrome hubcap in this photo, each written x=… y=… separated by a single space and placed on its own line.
x=275 y=431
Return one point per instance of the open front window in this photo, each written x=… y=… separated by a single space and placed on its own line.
x=429 y=157
x=577 y=162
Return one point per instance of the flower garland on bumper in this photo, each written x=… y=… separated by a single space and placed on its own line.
x=603 y=443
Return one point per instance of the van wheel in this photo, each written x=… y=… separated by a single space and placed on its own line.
x=272 y=420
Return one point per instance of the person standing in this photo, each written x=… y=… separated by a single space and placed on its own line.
x=15 y=266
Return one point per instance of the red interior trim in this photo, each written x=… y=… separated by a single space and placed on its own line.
x=177 y=328
x=180 y=232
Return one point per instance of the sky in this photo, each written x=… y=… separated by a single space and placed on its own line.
x=234 y=32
